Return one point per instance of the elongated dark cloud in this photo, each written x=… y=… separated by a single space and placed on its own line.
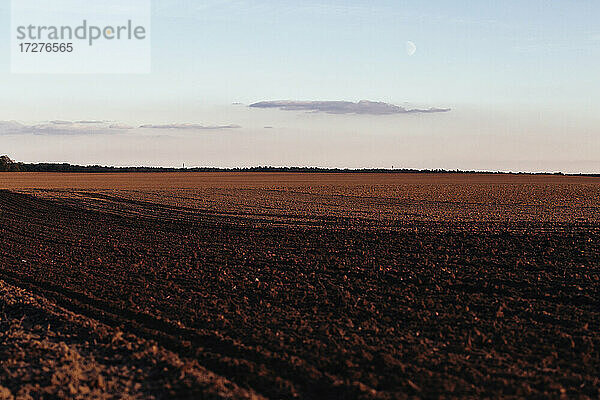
x=344 y=107
x=190 y=127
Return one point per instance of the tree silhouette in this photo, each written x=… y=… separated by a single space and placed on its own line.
x=6 y=164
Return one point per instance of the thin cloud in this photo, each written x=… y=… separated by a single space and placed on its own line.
x=363 y=107
x=10 y=127
x=189 y=127
x=121 y=126
x=85 y=122
x=91 y=127
x=57 y=128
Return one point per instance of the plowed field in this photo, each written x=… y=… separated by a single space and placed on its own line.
x=317 y=286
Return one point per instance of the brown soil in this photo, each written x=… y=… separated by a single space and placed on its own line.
x=310 y=286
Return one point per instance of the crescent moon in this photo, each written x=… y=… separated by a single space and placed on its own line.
x=411 y=48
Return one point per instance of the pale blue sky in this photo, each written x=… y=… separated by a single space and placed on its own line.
x=520 y=76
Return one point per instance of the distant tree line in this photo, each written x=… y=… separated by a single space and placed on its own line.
x=8 y=165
